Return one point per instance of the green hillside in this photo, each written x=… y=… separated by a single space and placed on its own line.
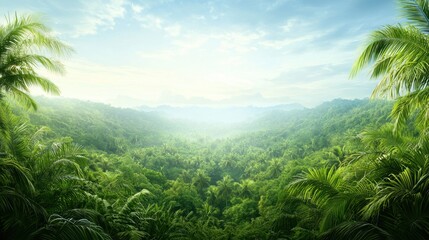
x=195 y=187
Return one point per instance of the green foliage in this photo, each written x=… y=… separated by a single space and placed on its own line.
x=58 y=227
x=399 y=56
x=264 y=184
x=22 y=41
x=79 y=170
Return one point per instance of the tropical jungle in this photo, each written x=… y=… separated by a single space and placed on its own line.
x=345 y=169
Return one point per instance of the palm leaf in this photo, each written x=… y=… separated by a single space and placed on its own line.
x=397 y=52
x=14 y=174
x=58 y=227
x=416 y=12
x=131 y=200
x=19 y=215
x=404 y=186
x=354 y=230
x=318 y=185
x=24 y=41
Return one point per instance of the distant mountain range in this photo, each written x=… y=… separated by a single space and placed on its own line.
x=220 y=114
x=88 y=123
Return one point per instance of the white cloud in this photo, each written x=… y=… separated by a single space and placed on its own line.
x=286 y=43
x=98 y=14
x=290 y=24
x=149 y=21
x=159 y=55
x=173 y=30
x=244 y=41
x=85 y=78
x=209 y=49
x=136 y=8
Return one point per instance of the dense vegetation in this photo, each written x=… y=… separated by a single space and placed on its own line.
x=343 y=170
x=193 y=188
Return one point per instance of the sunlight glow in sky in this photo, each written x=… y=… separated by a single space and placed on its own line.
x=230 y=52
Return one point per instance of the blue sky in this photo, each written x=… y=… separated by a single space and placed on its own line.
x=230 y=52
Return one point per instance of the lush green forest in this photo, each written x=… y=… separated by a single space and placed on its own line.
x=347 y=169
x=180 y=187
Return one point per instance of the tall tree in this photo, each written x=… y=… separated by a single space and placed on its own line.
x=25 y=43
x=399 y=55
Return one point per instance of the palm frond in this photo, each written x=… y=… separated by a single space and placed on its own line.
x=353 y=230
x=20 y=62
x=36 y=137
x=12 y=202
x=14 y=137
x=23 y=82
x=66 y=165
x=22 y=98
x=416 y=12
x=384 y=139
x=400 y=54
x=405 y=106
x=405 y=186
x=133 y=199
x=318 y=185
x=24 y=43
x=66 y=150
x=132 y=234
x=98 y=203
x=18 y=214
x=14 y=174
x=58 y=227
x=28 y=30
x=346 y=205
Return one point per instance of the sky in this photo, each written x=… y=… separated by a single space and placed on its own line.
x=215 y=53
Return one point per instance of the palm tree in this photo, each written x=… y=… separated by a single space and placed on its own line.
x=23 y=43
x=401 y=205
x=388 y=201
x=17 y=209
x=201 y=181
x=57 y=170
x=246 y=187
x=30 y=177
x=275 y=168
x=225 y=188
x=339 y=201
x=399 y=55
